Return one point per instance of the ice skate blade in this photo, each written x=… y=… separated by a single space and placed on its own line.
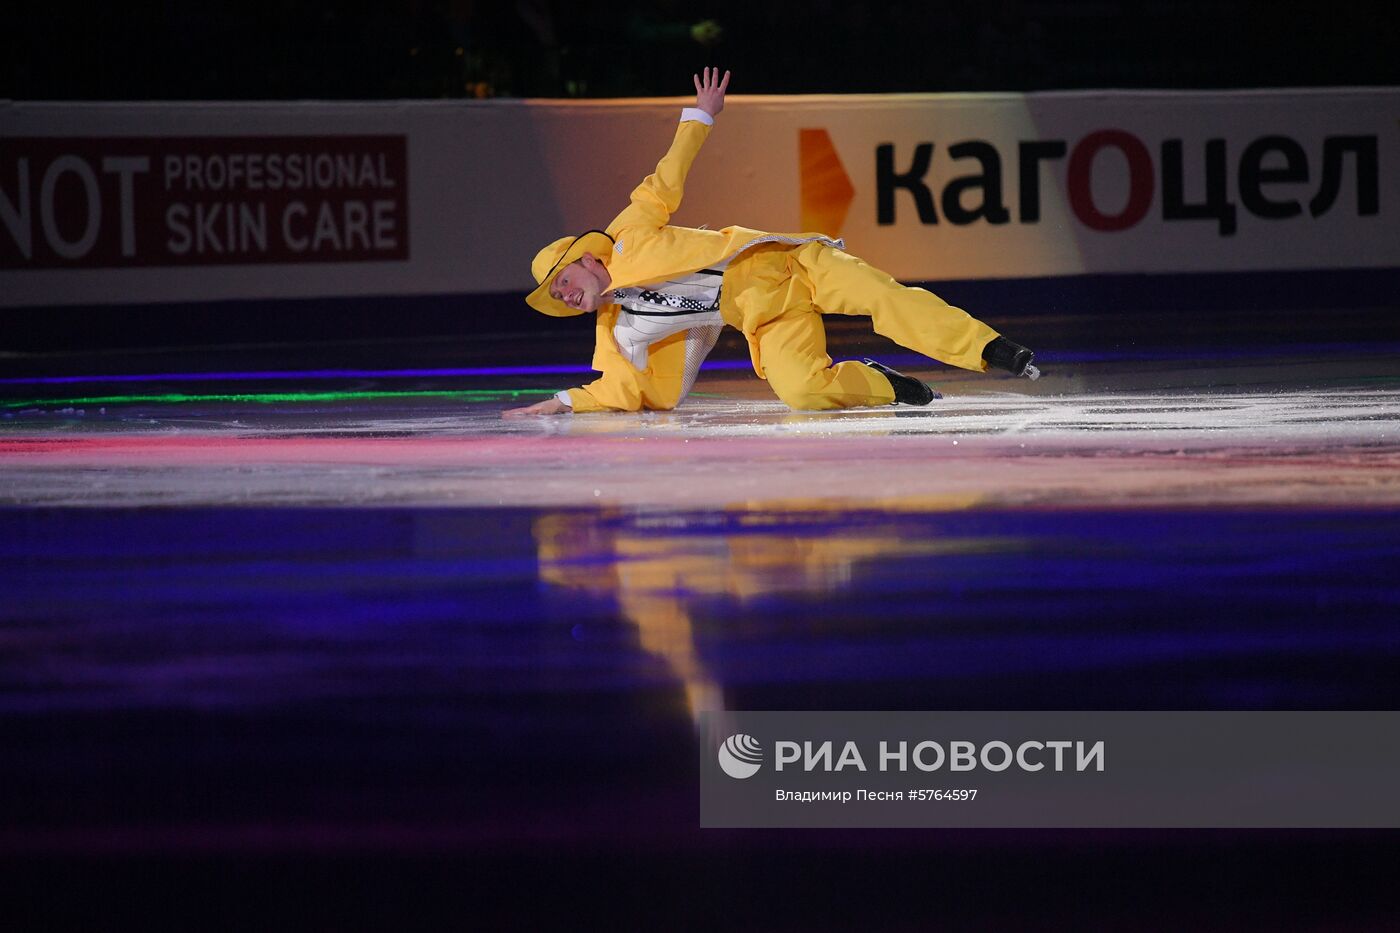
x=1032 y=372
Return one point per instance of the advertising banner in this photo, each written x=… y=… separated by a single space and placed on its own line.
x=177 y=201
x=150 y=202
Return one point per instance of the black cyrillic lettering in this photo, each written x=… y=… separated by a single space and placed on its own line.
x=988 y=182
x=1215 y=206
x=1367 y=174
x=1031 y=154
x=887 y=180
x=1254 y=176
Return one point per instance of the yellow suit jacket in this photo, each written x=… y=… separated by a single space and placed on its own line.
x=647 y=250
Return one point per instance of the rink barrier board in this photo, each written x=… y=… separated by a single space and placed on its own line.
x=157 y=202
x=1177 y=300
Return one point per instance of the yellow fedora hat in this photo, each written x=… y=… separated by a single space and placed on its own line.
x=554 y=257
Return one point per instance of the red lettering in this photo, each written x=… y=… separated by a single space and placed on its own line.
x=1140 y=178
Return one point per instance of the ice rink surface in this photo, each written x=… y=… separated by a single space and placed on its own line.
x=267 y=620
x=1310 y=430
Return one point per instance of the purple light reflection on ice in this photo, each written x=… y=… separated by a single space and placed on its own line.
x=335 y=374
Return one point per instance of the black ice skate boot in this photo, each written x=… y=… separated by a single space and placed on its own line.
x=907 y=389
x=1012 y=357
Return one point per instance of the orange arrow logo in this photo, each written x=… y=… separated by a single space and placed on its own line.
x=825 y=187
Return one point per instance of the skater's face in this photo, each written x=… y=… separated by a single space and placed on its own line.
x=580 y=284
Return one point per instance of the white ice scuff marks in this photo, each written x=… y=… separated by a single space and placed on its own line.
x=1284 y=416
x=1155 y=449
x=1297 y=414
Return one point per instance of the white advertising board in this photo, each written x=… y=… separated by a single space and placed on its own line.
x=151 y=202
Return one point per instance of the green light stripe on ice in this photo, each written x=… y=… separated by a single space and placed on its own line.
x=267 y=398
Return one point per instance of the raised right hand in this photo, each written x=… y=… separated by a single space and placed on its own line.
x=709 y=91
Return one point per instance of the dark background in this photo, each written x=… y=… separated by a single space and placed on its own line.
x=643 y=870
x=318 y=49
x=263 y=50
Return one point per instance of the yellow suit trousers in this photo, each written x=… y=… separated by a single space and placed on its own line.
x=776 y=295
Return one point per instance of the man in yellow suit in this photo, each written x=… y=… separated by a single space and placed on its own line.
x=662 y=294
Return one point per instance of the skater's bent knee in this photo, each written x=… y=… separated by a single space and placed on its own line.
x=801 y=400
x=799 y=390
